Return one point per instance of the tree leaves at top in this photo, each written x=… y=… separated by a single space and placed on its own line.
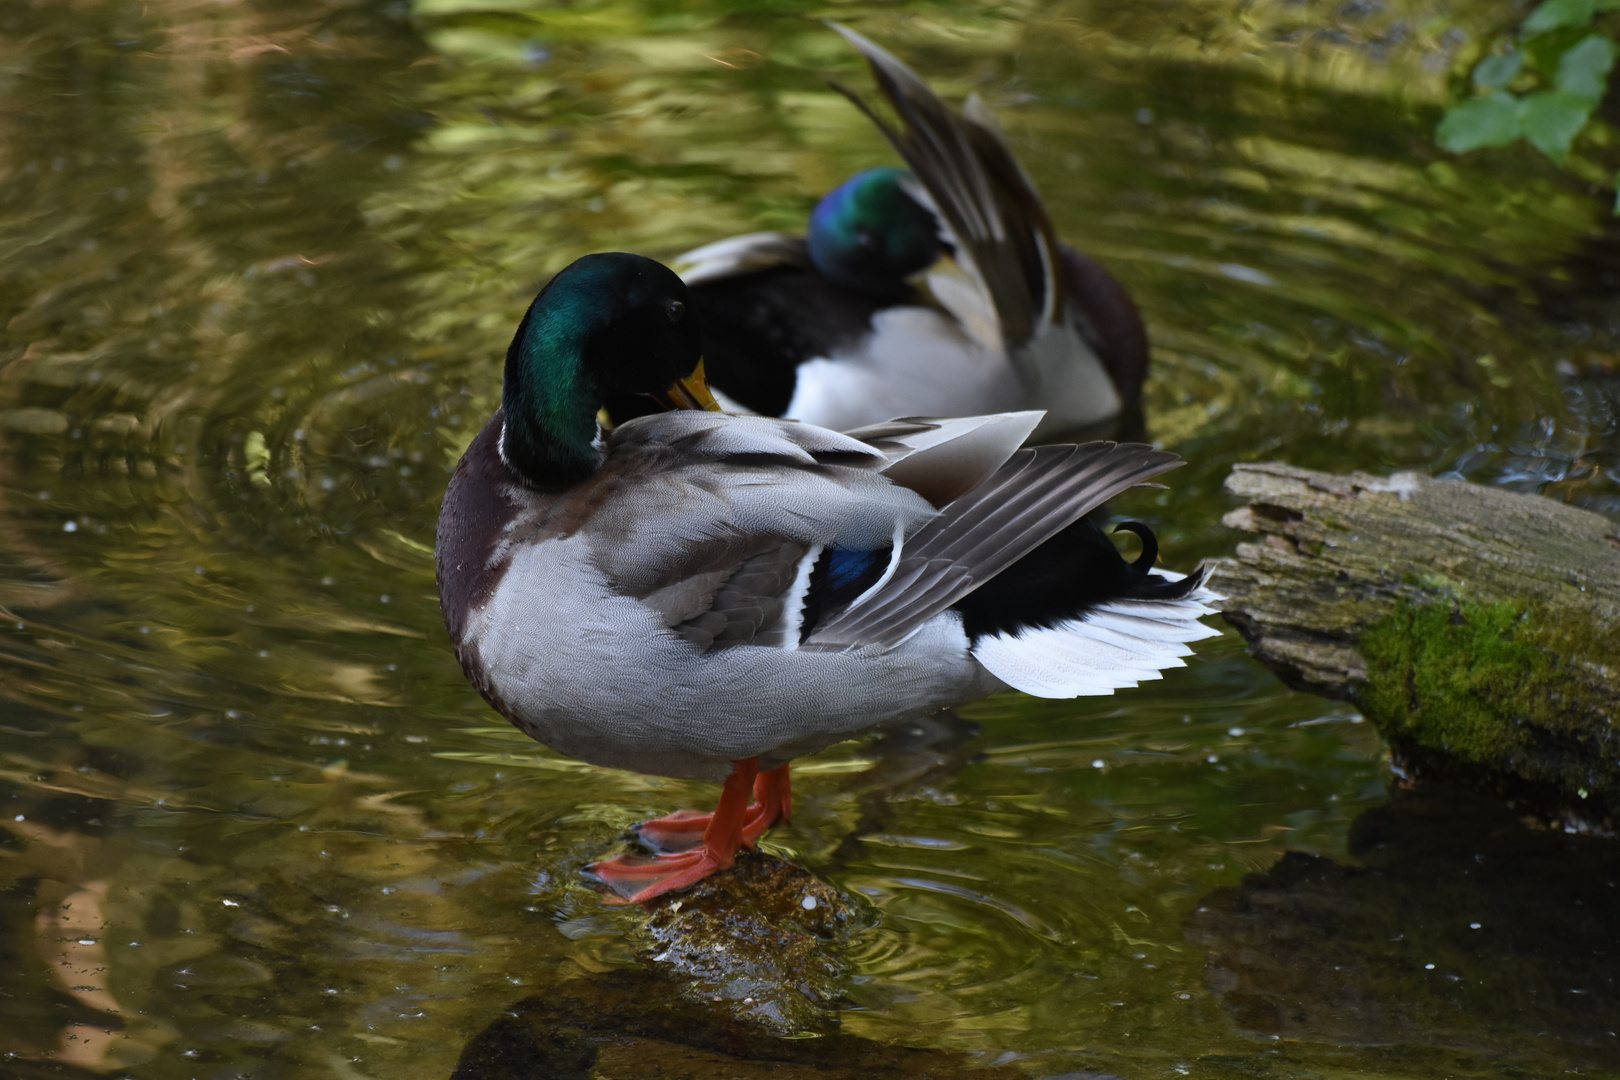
x=1495 y=72
x=1584 y=68
x=1485 y=121
x=1558 y=13
x=1572 y=69
x=1550 y=120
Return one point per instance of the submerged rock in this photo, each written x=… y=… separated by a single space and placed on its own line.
x=740 y=976
x=1462 y=928
x=762 y=945
x=757 y=943
x=626 y=1025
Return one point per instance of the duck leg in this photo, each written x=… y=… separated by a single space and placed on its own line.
x=684 y=829
x=639 y=880
x=773 y=793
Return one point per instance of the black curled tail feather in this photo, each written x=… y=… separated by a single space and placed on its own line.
x=1159 y=587
x=1151 y=586
x=1067 y=576
x=1149 y=558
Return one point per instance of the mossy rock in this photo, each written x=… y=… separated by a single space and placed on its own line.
x=759 y=943
x=1477 y=628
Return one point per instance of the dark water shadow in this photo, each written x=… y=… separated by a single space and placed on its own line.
x=1462 y=928
x=927 y=752
x=627 y=1023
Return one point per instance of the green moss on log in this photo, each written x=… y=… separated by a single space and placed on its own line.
x=1479 y=629
x=1489 y=684
x=1461 y=677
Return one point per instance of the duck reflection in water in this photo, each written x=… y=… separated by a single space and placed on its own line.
x=1461 y=926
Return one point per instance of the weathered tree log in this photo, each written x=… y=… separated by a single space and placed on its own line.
x=1478 y=629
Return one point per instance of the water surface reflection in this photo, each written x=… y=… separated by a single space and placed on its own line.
x=260 y=261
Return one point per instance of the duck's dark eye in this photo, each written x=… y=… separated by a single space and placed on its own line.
x=676 y=311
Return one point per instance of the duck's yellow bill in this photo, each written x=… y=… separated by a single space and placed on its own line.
x=691 y=392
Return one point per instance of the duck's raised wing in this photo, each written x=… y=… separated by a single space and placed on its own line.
x=1030 y=499
x=986 y=203
x=718 y=523
x=747 y=530
x=943 y=458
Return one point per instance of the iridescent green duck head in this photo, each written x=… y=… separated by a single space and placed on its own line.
x=870 y=234
x=609 y=325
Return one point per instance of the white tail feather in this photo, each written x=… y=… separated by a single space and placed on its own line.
x=1115 y=645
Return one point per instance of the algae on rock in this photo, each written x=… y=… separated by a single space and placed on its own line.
x=1477 y=628
x=758 y=942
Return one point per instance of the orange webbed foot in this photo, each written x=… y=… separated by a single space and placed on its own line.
x=685 y=829
x=695 y=845
x=635 y=881
x=680 y=831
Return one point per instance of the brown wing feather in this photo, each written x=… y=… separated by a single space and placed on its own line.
x=988 y=201
x=749 y=603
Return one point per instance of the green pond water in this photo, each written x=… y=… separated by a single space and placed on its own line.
x=259 y=262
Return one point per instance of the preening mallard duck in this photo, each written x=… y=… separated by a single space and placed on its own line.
x=941 y=292
x=709 y=596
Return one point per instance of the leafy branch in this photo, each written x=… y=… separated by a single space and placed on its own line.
x=1542 y=85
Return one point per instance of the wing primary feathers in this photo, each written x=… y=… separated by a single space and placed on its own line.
x=1030 y=499
x=987 y=200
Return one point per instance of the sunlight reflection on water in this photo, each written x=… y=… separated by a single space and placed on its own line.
x=262 y=262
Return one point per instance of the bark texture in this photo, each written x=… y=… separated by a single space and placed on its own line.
x=1477 y=628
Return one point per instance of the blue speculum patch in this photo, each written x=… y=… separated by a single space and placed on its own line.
x=845 y=567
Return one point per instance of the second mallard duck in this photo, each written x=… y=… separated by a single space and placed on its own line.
x=710 y=596
x=942 y=291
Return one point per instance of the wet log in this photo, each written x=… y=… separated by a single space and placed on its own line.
x=1478 y=629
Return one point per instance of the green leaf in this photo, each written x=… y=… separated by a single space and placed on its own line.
x=1543 y=51
x=1495 y=72
x=1484 y=121
x=1555 y=13
x=1552 y=118
x=1584 y=68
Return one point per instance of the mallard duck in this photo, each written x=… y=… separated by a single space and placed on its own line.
x=709 y=596
x=941 y=291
